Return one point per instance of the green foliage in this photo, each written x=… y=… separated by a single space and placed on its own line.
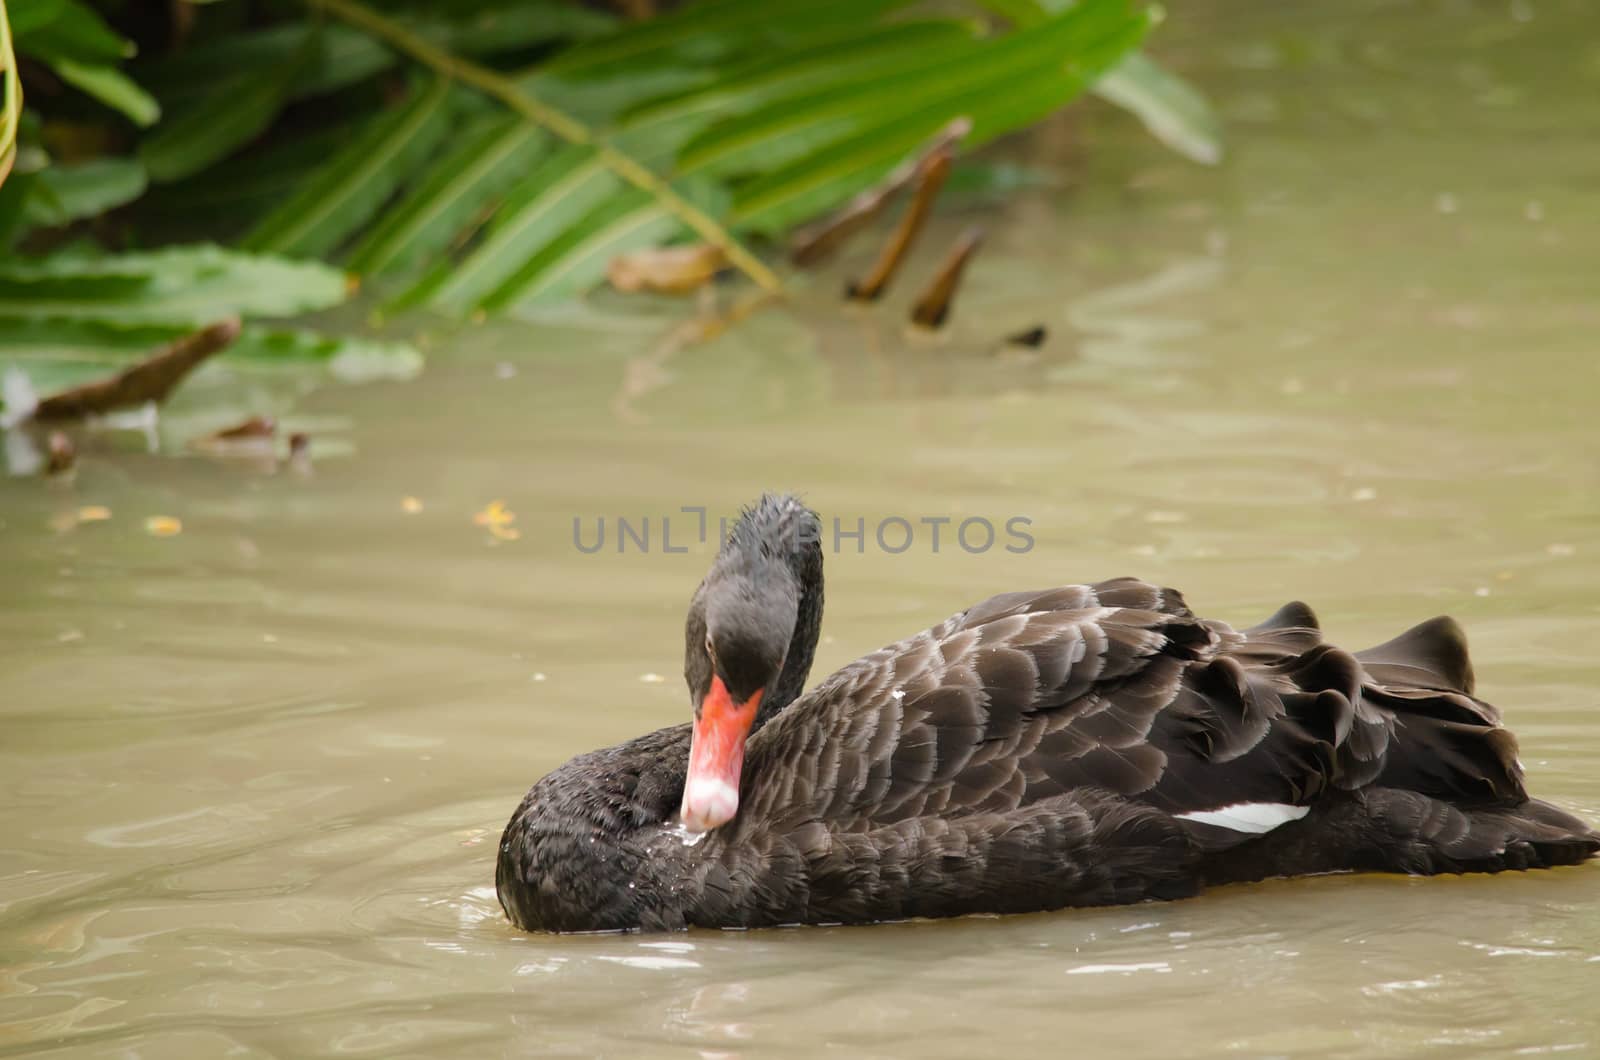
x=180 y=286
x=55 y=354
x=535 y=212
x=67 y=193
x=72 y=318
x=224 y=122
x=1170 y=108
x=76 y=43
x=489 y=155
x=345 y=193
x=111 y=87
x=488 y=159
x=10 y=110
x=779 y=110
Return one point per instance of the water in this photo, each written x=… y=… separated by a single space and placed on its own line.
x=252 y=775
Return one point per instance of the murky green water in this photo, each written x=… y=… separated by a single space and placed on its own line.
x=252 y=775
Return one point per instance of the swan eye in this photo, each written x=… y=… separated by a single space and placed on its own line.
x=709 y=649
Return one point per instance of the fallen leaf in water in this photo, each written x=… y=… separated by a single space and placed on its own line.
x=254 y=427
x=151 y=380
x=163 y=526
x=61 y=522
x=254 y=440
x=666 y=270
x=410 y=505
x=497 y=519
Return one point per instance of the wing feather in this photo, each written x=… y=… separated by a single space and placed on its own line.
x=1118 y=688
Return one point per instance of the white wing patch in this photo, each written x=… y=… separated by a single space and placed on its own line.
x=1252 y=817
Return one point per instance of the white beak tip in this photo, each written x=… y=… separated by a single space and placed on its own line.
x=708 y=803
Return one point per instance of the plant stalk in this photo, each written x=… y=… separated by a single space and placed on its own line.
x=12 y=115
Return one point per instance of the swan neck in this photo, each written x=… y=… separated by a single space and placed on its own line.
x=807 y=566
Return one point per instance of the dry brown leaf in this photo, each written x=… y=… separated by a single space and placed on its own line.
x=254 y=427
x=497 y=519
x=163 y=526
x=666 y=270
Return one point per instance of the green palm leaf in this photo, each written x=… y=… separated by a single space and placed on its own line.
x=576 y=260
x=178 y=286
x=486 y=161
x=350 y=188
x=569 y=183
x=466 y=193
x=218 y=126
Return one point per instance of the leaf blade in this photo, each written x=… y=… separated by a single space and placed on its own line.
x=484 y=165
x=177 y=286
x=1172 y=110
x=576 y=259
x=572 y=181
x=1014 y=84
x=112 y=87
x=85 y=190
x=216 y=128
x=346 y=191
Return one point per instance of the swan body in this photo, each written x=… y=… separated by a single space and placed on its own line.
x=1072 y=746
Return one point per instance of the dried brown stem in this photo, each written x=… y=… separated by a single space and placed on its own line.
x=152 y=379
x=905 y=233
x=934 y=305
x=815 y=242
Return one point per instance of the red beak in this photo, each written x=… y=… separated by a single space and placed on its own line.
x=711 y=790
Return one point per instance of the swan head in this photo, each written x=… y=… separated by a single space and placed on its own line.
x=739 y=643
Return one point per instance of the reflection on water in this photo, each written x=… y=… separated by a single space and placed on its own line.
x=252 y=775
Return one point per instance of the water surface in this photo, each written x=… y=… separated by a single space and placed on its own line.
x=252 y=775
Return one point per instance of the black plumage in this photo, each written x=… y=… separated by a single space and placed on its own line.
x=1036 y=751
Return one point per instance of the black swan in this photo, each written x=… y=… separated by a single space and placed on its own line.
x=1076 y=746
